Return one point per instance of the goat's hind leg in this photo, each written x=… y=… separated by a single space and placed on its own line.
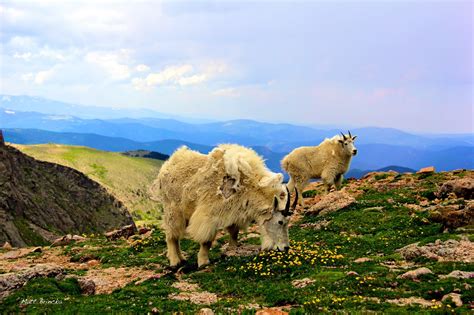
x=234 y=234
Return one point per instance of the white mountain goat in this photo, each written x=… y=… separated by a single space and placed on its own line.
x=329 y=161
x=228 y=188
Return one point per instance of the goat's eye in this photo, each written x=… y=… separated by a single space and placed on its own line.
x=280 y=222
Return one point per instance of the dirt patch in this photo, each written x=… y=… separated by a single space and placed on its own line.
x=414 y=300
x=302 y=283
x=241 y=250
x=109 y=279
x=191 y=292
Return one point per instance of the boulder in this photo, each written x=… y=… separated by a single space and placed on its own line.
x=332 y=202
x=125 y=232
x=12 y=281
x=452 y=216
x=87 y=286
x=455 y=297
x=415 y=274
x=429 y=169
x=461 y=188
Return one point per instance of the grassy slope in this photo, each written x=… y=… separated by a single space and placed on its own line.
x=127 y=178
x=374 y=227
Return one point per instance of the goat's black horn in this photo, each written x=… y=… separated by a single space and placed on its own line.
x=287 y=206
x=343 y=136
x=350 y=136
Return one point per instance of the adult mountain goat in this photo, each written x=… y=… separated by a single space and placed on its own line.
x=228 y=188
x=328 y=161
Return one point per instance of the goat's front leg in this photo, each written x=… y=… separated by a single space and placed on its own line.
x=203 y=255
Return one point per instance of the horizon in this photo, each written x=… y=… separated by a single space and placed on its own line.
x=306 y=63
x=183 y=119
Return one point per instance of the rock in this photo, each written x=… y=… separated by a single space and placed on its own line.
x=362 y=260
x=155 y=310
x=144 y=230
x=62 y=241
x=11 y=281
x=270 y=311
x=316 y=225
x=415 y=274
x=93 y=263
x=37 y=250
x=240 y=251
x=455 y=297
x=205 y=311
x=332 y=202
x=429 y=169
x=7 y=246
x=461 y=188
x=450 y=250
x=351 y=273
x=203 y=297
x=458 y=274
x=78 y=238
x=125 y=231
x=414 y=300
x=87 y=286
x=451 y=216
x=301 y=283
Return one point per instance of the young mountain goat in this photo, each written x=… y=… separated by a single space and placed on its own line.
x=328 y=161
x=228 y=188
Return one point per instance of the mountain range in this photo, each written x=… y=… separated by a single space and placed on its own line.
x=30 y=120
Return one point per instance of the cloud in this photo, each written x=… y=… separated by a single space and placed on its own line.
x=182 y=75
x=111 y=62
x=40 y=77
x=142 y=68
x=227 y=92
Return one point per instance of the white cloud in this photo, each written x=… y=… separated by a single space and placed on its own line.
x=181 y=75
x=195 y=79
x=170 y=75
x=142 y=68
x=111 y=62
x=25 y=56
x=40 y=77
x=227 y=92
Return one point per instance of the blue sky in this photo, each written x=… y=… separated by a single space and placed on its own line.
x=397 y=64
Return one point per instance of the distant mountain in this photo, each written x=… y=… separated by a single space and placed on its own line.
x=40 y=201
x=26 y=103
x=370 y=157
x=277 y=137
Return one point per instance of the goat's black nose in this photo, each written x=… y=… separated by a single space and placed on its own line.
x=354 y=152
x=287 y=248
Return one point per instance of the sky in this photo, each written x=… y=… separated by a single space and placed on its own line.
x=400 y=64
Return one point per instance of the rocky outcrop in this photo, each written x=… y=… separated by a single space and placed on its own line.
x=450 y=250
x=461 y=188
x=12 y=281
x=40 y=201
x=332 y=202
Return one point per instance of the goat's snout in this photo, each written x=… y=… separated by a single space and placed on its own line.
x=354 y=152
x=287 y=248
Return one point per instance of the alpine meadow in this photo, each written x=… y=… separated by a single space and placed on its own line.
x=236 y=157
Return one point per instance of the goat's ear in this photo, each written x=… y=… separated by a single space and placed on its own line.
x=227 y=188
x=354 y=137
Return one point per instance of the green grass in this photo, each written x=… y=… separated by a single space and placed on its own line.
x=374 y=227
x=127 y=178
